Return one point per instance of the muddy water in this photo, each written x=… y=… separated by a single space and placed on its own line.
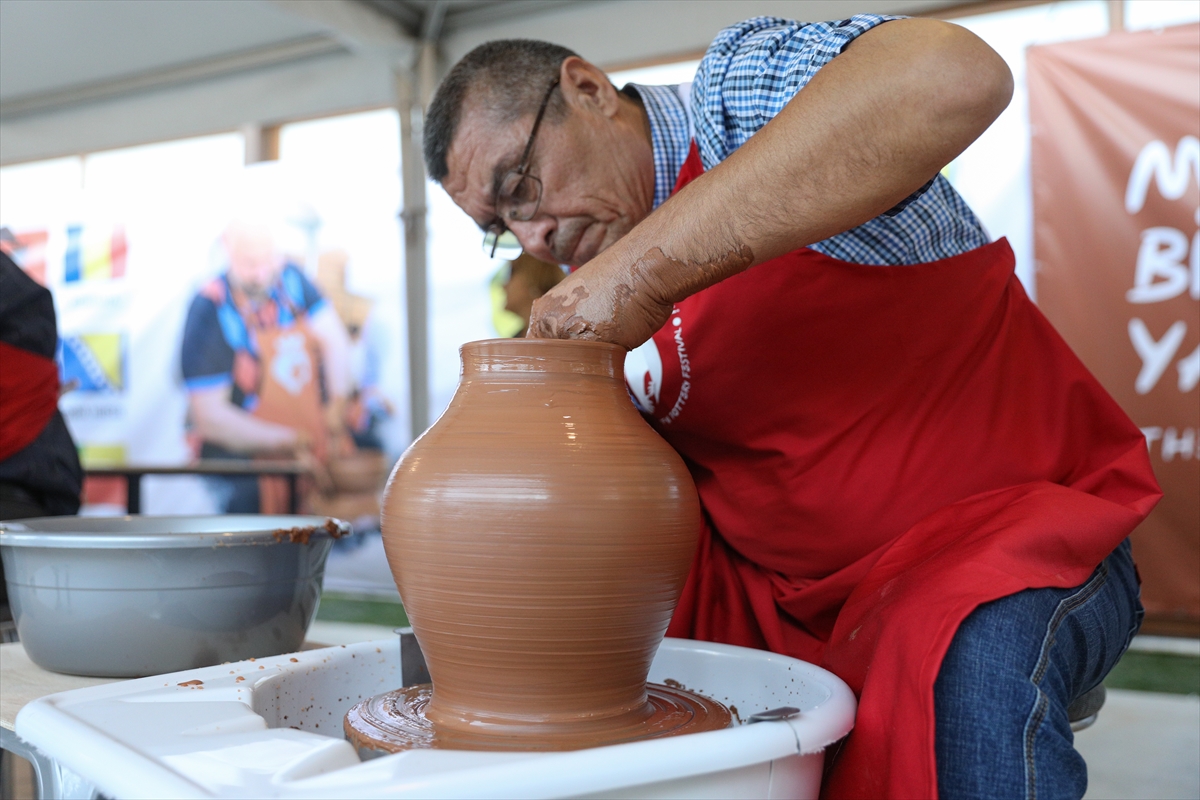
x=398 y=721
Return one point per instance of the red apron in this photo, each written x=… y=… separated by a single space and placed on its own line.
x=879 y=450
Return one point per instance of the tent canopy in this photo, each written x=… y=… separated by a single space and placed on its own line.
x=78 y=77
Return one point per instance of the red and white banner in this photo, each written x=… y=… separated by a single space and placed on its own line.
x=1116 y=187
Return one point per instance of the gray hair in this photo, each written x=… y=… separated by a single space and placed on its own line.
x=508 y=77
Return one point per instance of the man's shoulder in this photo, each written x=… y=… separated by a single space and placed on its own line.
x=754 y=68
x=27 y=318
x=757 y=42
x=204 y=310
x=213 y=292
x=735 y=36
x=300 y=292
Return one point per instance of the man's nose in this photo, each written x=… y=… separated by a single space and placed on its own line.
x=537 y=236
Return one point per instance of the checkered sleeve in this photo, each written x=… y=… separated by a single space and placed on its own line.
x=751 y=71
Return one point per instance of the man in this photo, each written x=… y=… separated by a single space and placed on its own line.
x=906 y=475
x=265 y=361
x=40 y=474
x=514 y=289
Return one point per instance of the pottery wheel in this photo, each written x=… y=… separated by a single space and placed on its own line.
x=395 y=721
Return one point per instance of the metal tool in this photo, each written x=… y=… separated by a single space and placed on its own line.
x=412 y=661
x=774 y=714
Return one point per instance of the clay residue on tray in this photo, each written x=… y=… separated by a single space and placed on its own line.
x=397 y=720
x=301 y=535
x=192 y=683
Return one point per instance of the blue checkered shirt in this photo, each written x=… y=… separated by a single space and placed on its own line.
x=750 y=72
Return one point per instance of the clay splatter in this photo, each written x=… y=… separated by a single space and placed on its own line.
x=300 y=535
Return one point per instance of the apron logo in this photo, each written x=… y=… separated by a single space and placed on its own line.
x=644 y=371
x=685 y=370
x=291 y=368
x=643 y=374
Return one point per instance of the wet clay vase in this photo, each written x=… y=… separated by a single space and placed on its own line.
x=540 y=534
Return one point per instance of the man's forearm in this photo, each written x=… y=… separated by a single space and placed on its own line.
x=230 y=427
x=873 y=126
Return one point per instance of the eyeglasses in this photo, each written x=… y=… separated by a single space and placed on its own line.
x=517 y=197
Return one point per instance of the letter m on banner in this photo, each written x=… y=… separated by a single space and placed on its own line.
x=1171 y=175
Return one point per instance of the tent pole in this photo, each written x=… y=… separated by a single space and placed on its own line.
x=413 y=216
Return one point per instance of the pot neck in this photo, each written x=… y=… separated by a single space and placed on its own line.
x=512 y=357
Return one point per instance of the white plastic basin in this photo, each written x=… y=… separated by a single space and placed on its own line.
x=278 y=733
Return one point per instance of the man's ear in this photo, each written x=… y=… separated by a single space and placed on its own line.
x=587 y=88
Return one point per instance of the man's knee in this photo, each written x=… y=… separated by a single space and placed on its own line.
x=995 y=708
x=1014 y=666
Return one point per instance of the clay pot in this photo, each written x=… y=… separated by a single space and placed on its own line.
x=540 y=534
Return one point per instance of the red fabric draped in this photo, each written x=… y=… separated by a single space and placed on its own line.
x=28 y=397
x=878 y=451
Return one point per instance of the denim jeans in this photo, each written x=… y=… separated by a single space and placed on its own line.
x=1013 y=668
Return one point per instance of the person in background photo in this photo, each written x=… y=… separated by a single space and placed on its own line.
x=40 y=474
x=265 y=362
x=514 y=288
x=367 y=407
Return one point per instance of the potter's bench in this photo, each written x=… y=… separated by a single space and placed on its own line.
x=132 y=474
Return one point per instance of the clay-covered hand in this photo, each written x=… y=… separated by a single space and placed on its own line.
x=625 y=300
x=600 y=302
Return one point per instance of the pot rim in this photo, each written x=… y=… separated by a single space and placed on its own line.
x=574 y=356
x=168 y=532
x=521 y=341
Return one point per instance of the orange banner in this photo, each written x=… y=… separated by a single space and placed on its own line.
x=1116 y=194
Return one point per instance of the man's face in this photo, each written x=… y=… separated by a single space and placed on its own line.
x=254 y=263
x=595 y=185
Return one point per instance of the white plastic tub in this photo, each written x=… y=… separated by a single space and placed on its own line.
x=278 y=733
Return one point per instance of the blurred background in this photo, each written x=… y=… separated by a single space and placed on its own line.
x=203 y=182
x=132 y=131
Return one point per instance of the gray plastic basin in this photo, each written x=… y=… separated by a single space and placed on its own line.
x=131 y=596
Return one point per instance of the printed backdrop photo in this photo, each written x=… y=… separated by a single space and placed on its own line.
x=124 y=267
